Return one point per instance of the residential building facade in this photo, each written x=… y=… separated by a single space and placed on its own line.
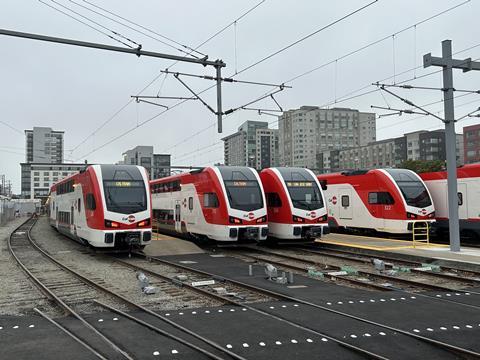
x=253 y=145
x=157 y=165
x=37 y=178
x=44 y=145
x=471 y=140
x=308 y=131
x=266 y=148
x=420 y=145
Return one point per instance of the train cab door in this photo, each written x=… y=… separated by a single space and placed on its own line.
x=462 y=201
x=177 y=216
x=345 y=204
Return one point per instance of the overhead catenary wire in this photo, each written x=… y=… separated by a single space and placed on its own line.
x=121 y=135
x=241 y=71
x=136 y=30
x=343 y=98
x=157 y=76
x=92 y=21
x=307 y=36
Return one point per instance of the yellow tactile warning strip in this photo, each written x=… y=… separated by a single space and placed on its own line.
x=356 y=241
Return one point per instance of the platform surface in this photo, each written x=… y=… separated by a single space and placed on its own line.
x=167 y=245
x=434 y=251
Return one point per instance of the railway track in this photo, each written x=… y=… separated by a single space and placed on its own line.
x=469 y=277
x=301 y=264
x=69 y=289
x=279 y=296
x=250 y=295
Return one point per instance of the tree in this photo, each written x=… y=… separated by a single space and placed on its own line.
x=421 y=166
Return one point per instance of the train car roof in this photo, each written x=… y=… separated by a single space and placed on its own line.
x=178 y=176
x=465 y=171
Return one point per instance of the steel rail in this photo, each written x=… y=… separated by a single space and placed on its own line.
x=362 y=283
x=54 y=297
x=237 y=303
x=447 y=346
x=72 y=335
x=156 y=329
x=138 y=306
x=366 y=273
x=341 y=255
x=332 y=277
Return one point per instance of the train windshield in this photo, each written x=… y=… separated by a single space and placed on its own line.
x=303 y=190
x=412 y=188
x=242 y=187
x=124 y=189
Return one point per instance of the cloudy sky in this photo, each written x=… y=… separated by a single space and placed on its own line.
x=81 y=90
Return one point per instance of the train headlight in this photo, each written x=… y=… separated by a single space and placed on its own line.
x=323 y=218
x=262 y=219
x=143 y=223
x=234 y=220
x=297 y=219
x=431 y=215
x=411 y=216
x=111 y=224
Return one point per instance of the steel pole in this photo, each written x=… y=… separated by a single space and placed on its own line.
x=451 y=147
x=219 y=98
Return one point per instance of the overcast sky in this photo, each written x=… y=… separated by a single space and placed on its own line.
x=77 y=89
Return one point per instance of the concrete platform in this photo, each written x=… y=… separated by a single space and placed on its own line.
x=432 y=251
x=457 y=323
x=167 y=245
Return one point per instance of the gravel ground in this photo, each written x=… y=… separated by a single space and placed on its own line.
x=18 y=295
x=116 y=277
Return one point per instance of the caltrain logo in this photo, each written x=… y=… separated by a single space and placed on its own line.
x=131 y=218
x=334 y=200
x=424 y=212
x=312 y=214
x=251 y=215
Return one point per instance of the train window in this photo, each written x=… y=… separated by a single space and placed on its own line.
x=460 y=199
x=273 y=200
x=210 y=200
x=190 y=203
x=345 y=201
x=79 y=205
x=90 y=203
x=383 y=198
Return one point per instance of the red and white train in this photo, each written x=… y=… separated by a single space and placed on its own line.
x=105 y=206
x=468 y=182
x=295 y=203
x=384 y=200
x=224 y=203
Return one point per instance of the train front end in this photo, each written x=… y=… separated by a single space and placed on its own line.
x=417 y=201
x=296 y=204
x=124 y=219
x=245 y=204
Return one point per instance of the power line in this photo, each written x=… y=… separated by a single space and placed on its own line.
x=83 y=22
x=11 y=127
x=342 y=98
x=132 y=28
x=306 y=37
x=156 y=78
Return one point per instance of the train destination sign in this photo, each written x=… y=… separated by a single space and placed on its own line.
x=299 y=183
x=123 y=183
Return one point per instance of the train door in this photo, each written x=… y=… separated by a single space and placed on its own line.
x=345 y=204
x=177 y=215
x=462 y=201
